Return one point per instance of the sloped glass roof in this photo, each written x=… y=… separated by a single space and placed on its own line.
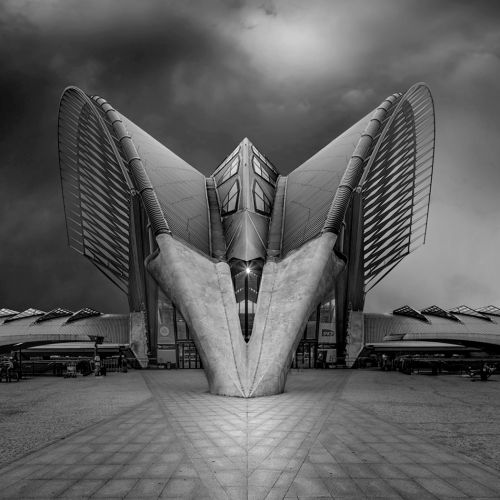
x=55 y=313
x=437 y=311
x=493 y=310
x=468 y=311
x=25 y=314
x=86 y=312
x=410 y=312
x=7 y=312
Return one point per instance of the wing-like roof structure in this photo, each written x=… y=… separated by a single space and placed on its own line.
x=310 y=188
x=99 y=179
x=246 y=210
x=180 y=188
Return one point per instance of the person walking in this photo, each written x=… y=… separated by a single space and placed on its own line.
x=97 y=364
x=10 y=369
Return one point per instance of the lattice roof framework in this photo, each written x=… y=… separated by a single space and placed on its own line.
x=55 y=313
x=468 y=311
x=7 y=312
x=437 y=311
x=409 y=312
x=25 y=314
x=491 y=310
x=86 y=312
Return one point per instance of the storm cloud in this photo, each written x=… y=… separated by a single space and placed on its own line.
x=291 y=76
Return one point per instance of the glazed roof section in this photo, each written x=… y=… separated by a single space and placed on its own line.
x=29 y=313
x=42 y=316
x=59 y=312
x=489 y=310
x=7 y=312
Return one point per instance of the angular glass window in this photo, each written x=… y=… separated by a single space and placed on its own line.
x=264 y=159
x=231 y=170
x=261 y=171
x=261 y=201
x=230 y=202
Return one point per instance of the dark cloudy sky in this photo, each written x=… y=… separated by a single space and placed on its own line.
x=290 y=75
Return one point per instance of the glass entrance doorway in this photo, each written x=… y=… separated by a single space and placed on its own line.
x=188 y=355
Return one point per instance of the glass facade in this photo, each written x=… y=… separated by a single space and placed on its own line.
x=231 y=170
x=317 y=348
x=230 y=202
x=260 y=171
x=262 y=203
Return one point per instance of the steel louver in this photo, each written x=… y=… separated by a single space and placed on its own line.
x=96 y=188
x=396 y=186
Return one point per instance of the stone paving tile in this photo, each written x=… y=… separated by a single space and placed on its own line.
x=377 y=488
x=309 y=487
x=83 y=488
x=147 y=488
x=410 y=489
x=343 y=487
x=306 y=443
x=263 y=477
x=115 y=488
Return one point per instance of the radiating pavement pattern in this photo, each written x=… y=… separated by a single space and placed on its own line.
x=306 y=443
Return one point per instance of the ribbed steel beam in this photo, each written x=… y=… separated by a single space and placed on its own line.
x=354 y=170
x=136 y=168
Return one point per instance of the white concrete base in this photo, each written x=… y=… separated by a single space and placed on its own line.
x=203 y=292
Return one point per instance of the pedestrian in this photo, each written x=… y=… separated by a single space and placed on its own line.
x=10 y=369
x=97 y=364
x=122 y=363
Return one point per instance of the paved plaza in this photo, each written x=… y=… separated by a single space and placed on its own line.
x=333 y=434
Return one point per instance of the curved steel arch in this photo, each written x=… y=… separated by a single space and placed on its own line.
x=396 y=185
x=96 y=187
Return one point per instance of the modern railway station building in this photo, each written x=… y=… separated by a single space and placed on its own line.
x=249 y=270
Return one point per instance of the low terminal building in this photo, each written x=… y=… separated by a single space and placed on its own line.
x=433 y=330
x=430 y=330
x=55 y=331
